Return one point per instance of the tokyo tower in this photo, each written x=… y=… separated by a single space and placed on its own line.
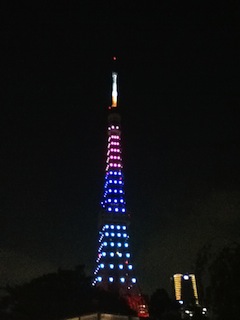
x=114 y=269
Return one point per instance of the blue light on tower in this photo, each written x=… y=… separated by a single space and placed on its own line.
x=114 y=267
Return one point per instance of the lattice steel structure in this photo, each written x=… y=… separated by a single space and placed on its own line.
x=114 y=268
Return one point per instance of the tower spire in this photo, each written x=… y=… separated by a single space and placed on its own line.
x=114 y=86
x=114 y=90
x=114 y=268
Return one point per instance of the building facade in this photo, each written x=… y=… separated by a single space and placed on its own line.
x=185 y=288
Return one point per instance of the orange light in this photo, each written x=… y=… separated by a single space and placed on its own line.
x=114 y=89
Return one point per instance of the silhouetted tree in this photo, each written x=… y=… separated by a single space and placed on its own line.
x=161 y=307
x=55 y=296
x=222 y=293
x=110 y=302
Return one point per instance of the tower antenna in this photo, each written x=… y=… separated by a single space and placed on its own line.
x=114 y=86
x=114 y=270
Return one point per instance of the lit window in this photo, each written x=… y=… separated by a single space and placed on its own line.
x=119 y=235
x=124 y=235
x=134 y=280
x=122 y=280
x=119 y=244
x=116 y=209
x=101 y=265
x=118 y=227
x=106 y=226
x=111 y=279
x=128 y=255
x=112 y=226
x=111 y=254
x=109 y=209
x=126 y=245
x=112 y=234
x=106 y=234
x=120 y=266
x=99 y=279
x=105 y=244
x=130 y=267
x=120 y=254
x=123 y=210
x=111 y=266
x=124 y=227
x=104 y=254
x=112 y=244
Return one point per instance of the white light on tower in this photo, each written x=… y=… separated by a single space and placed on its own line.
x=114 y=89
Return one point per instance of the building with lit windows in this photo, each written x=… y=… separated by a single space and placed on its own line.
x=185 y=288
x=114 y=268
x=185 y=292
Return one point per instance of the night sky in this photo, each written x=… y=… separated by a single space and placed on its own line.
x=179 y=99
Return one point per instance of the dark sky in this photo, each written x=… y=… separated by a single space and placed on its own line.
x=179 y=99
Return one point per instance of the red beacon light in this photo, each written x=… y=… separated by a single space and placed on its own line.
x=114 y=58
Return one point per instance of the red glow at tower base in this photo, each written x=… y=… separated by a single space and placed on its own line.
x=138 y=304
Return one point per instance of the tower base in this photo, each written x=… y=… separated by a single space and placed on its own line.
x=138 y=304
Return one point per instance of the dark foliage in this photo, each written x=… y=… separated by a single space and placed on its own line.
x=58 y=295
x=220 y=272
x=161 y=307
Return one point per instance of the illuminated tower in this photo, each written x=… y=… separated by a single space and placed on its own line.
x=114 y=269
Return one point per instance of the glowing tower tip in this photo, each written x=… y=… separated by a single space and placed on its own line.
x=114 y=90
